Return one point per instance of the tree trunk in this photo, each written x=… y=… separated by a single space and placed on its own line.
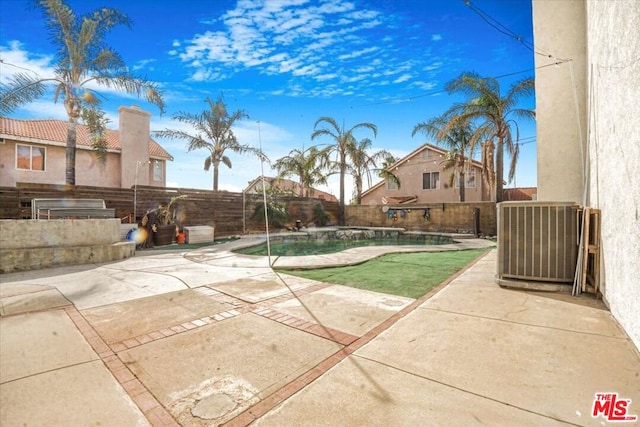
x=488 y=167
x=461 y=184
x=343 y=167
x=215 y=177
x=70 y=171
x=499 y=169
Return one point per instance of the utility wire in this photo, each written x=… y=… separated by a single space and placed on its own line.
x=2 y=61
x=507 y=32
x=436 y=92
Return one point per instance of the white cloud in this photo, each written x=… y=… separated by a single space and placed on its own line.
x=432 y=67
x=402 y=78
x=144 y=63
x=424 y=85
x=17 y=60
x=436 y=37
x=325 y=77
x=357 y=53
x=289 y=37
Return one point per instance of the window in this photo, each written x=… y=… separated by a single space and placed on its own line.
x=30 y=157
x=470 y=178
x=157 y=170
x=392 y=184
x=431 y=181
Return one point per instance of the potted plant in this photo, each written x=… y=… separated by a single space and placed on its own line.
x=167 y=225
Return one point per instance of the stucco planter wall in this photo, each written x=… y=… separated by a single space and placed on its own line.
x=36 y=244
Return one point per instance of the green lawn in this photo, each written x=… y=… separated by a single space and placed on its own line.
x=410 y=275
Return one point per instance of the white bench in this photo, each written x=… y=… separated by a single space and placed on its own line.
x=198 y=234
x=70 y=208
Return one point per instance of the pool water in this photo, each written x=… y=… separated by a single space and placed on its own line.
x=320 y=247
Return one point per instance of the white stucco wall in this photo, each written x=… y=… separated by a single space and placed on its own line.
x=613 y=33
x=559 y=31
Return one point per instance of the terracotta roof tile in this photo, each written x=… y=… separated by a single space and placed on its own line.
x=290 y=185
x=44 y=131
x=401 y=199
x=519 y=193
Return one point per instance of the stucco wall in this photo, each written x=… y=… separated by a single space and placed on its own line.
x=410 y=175
x=89 y=171
x=36 y=244
x=134 y=143
x=559 y=31
x=603 y=40
x=26 y=234
x=614 y=150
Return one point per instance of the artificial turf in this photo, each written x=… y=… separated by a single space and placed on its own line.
x=408 y=274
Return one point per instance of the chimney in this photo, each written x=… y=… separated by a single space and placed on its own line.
x=134 y=133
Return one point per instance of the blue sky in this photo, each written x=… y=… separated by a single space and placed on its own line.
x=289 y=62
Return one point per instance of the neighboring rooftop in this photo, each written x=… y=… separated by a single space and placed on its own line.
x=520 y=193
x=288 y=186
x=54 y=132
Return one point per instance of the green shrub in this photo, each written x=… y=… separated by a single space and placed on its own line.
x=320 y=216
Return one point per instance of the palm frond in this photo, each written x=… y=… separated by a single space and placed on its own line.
x=21 y=89
x=96 y=122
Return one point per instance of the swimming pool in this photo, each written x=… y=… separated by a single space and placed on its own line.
x=325 y=241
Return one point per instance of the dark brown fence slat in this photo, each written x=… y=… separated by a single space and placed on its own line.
x=224 y=210
x=221 y=209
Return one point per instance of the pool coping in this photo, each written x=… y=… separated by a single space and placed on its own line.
x=224 y=254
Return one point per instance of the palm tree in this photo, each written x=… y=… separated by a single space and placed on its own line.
x=362 y=163
x=343 y=140
x=306 y=164
x=384 y=171
x=457 y=137
x=212 y=132
x=485 y=104
x=83 y=58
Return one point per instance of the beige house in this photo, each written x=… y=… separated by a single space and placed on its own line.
x=33 y=151
x=288 y=186
x=587 y=131
x=423 y=179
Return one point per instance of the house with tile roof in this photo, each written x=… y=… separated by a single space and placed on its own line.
x=287 y=186
x=423 y=179
x=520 y=193
x=33 y=151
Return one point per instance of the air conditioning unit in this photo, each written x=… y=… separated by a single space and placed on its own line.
x=537 y=244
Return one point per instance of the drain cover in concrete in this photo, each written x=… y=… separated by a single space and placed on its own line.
x=247 y=357
x=213 y=407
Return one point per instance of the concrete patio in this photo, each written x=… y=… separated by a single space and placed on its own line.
x=209 y=337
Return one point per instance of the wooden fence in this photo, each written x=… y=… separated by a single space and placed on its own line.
x=229 y=212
